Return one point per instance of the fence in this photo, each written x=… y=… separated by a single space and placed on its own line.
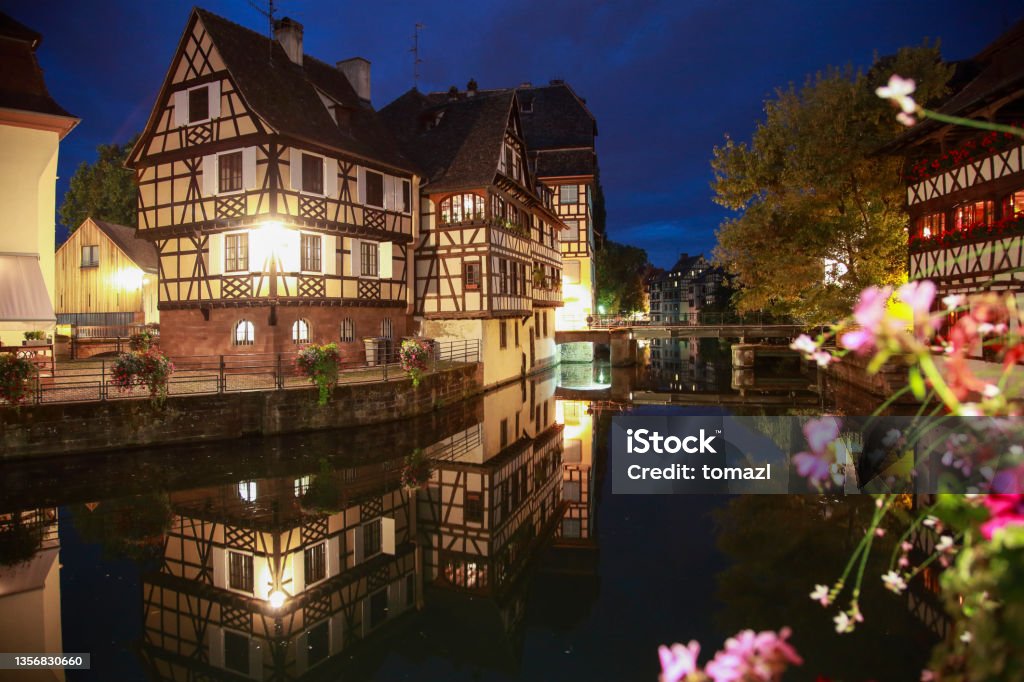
x=205 y=374
x=706 y=319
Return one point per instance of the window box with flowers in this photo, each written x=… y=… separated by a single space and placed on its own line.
x=149 y=368
x=16 y=374
x=975 y=149
x=1006 y=227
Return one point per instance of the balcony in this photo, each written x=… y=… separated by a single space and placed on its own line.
x=547 y=293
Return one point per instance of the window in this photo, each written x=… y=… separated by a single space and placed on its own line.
x=240 y=571
x=301 y=485
x=348 y=330
x=317 y=643
x=568 y=194
x=571 y=491
x=368 y=259
x=1014 y=204
x=968 y=215
x=502 y=335
x=544 y=317
x=571 y=233
x=503 y=275
x=243 y=335
x=300 y=332
x=462 y=208
x=406 y=205
x=236 y=651
x=571 y=272
x=236 y=252
x=378 y=607
x=315 y=563
x=198 y=104
x=371 y=539
x=229 y=172
x=473 y=275
x=310 y=252
x=247 y=491
x=515 y=278
x=475 y=507
x=504 y=433
x=374 y=189
x=90 y=256
x=312 y=174
x=516 y=327
x=387 y=329
x=570 y=528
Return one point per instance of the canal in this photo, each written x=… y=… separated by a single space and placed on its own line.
x=305 y=557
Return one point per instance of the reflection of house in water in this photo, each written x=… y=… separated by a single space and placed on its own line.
x=30 y=588
x=577 y=472
x=255 y=583
x=677 y=364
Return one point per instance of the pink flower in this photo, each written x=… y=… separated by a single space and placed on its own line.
x=753 y=656
x=919 y=296
x=820 y=433
x=804 y=344
x=870 y=309
x=899 y=90
x=859 y=341
x=1003 y=510
x=679 y=661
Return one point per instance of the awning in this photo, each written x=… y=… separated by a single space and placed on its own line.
x=24 y=301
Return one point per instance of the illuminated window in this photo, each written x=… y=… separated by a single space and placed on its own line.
x=568 y=194
x=229 y=172
x=1015 y=204
x=300 y=332
x=236 y=252
x=301 y=486
x=243 y=335
x=473 y=275
x=310 y=256
x=966 y=216
x=571 y=233
x=930 y=225
x=462 y=208
x=247 y=491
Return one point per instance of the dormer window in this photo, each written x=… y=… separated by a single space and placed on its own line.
x=198 y=104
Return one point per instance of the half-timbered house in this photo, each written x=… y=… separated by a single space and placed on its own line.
x=32 y=124
x=965 y=187
x=106 y=275
x=487 y=260
x=280 y=206
x=258 y=581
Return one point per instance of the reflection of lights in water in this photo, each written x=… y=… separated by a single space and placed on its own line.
x=600 y=377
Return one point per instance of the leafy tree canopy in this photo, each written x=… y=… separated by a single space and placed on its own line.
x=619 y=270
x=812 y=193
x=104 y=189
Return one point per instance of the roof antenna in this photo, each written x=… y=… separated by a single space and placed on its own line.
x=269 y=14
x=416 y=61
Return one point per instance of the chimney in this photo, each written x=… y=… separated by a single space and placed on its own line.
x=471 y=88
x=357 y=71
x=288 y=32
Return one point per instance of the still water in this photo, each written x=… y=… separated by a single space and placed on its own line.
x=304 y=557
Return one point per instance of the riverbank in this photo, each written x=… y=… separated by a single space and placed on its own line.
x=73 y=428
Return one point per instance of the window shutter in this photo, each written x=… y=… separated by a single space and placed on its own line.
x=331 y=177
x=384 y=255
x=361 y=185
x=389 y=193
x=219 y=559
x=215 y=257
x=295 y=168
x=333 y=556
x=356 y=264
x=215 y=640
x=180 y=108
x=210 y=175
x=387 y=535
x=357 y=544
x=298 y=573
x=255 y=659
x=215 y=100
x=249 y=168
x=337 y=632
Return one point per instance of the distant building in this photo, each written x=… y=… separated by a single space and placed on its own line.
x=965 y=187
x=106 y=276
x=32 y=125
x=691 y=286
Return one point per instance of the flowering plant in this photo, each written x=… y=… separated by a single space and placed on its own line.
x=320 y=364
x=1004 y=227
x=15 y=378
x=414 y=355
x=149 y=368
x=989 y=143
x=416 y=471
x=747 y=657
x=141 y=340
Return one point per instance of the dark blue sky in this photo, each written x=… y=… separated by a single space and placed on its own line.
x=665 y=79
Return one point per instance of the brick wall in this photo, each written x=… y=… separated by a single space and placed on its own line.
x=119 y=424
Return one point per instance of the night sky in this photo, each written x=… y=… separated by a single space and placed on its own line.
x=666 y=80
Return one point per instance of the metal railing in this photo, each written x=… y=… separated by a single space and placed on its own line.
x=92 y=380
x=704 y=319
x=119 y=331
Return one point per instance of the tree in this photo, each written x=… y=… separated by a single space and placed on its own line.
x=104 y=189
x=814 y=197
x=619 y=271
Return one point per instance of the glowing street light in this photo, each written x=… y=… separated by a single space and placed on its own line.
x=276 y=599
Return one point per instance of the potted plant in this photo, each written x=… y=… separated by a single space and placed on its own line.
x=16 y=376
x=36 y=338
x=414 y=356
x=149 y=368
x=416 y=471
x=320 y=364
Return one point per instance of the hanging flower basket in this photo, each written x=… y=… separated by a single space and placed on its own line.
x=414 y=356
x=16 y=376
x=320 y=364
x=416 y=472
x=149 y=368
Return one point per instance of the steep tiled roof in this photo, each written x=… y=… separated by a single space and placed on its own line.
x=22 y=85
x=284 y=94
x=143 y=253
x=457 y=142
x=555 y=163
x=555 y=117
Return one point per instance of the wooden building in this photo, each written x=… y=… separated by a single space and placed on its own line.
x=488 y=265
x=965 y=187
x=280 y=206
x=32 y=125
x=106 y=274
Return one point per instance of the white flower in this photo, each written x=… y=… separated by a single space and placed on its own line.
x=966 y=637
x=954 y=301
x=820 y=595
x=822 y=358
x=990 y=391
x=894 y=582
x=804 y=344
x=899 y=91
x=970 y=410
x=945 y=544
x=906 y=119
x=1017 y=450
x=843 y=623
x=892 y=436
x=930 y=521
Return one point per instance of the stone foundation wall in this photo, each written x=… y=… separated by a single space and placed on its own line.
x=577 y=351
x=34 y=431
